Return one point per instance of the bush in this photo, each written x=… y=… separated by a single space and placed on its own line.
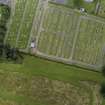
x=103 y=70
x=102 y=91
x=78 y=3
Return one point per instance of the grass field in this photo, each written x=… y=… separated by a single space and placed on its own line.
x=90 y=41
x=20 y=27
x=60 y=32
x=71 y=36
x=57 y=33
x=42 y=82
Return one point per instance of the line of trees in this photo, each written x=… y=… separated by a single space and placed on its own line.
x=103 y=83
x=9 y=53
x=4 y=16
x=6 y=51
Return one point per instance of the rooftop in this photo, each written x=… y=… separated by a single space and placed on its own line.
x=89 y=0
x=6 y=2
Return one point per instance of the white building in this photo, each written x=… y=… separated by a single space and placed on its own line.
x=89 y=1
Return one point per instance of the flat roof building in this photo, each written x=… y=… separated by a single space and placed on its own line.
x=6 y=2
x=89 y=1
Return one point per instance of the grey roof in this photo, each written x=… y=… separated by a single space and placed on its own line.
x=59 y=1
x=89 y=0
x=6 y=2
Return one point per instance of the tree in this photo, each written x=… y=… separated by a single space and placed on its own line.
x=103 y=89
x=13 y=54
x=1 y=49
x=78 y=3
x=4 y=16
x=103 y=70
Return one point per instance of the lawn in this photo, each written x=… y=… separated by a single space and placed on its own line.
x=42 y=82
x=68 y=35
x=36 y=66
x=91 y=34
x=57 y=33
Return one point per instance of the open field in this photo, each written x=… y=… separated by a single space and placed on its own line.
x=42 y=82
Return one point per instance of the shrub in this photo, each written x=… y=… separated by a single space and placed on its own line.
x=103 y=70
x=78 y=3
x=103 y=89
